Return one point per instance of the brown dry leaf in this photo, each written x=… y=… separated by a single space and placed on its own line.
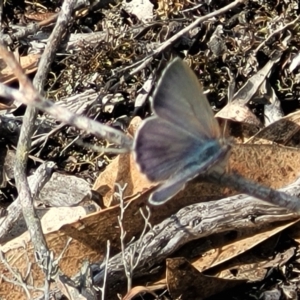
x=28 y=63
x=280 y=132
x=252 y=266
x=238 y=112
x=221 y=250
x=39 y=16
x=186 y=282
x=236 y=109
x=122 y=170
x=271 y=165
x=90 y=233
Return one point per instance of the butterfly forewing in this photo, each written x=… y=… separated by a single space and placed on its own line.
x=179 y=100
x=162 y=149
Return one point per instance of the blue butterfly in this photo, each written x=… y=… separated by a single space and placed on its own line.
x=182 y=139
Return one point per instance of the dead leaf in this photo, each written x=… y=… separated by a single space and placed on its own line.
x=280 y=132
x=271 y=165
x=236 y=109
x=221 y=250
x=251 y=266
x=28 y=63
x=123 y=170
x=39 y=16
x=186 y=282
x=238 y=112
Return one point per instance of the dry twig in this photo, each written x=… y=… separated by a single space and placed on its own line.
x=144 y=62
x=42 y=253
x=132 y=258
x=29 y=96
x=194 y=222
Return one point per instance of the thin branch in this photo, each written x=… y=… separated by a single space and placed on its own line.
x=274 y=33
x=102 y=289
x=42 y=253
x=191 y=223
x=131 y=259
x=144 y=62
x=29 y=96
x=254 y=189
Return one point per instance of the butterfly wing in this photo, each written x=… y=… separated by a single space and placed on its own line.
x=182 y=139
x=179 y=100
x=172 y=186
x=177 y=182
x=160 y=149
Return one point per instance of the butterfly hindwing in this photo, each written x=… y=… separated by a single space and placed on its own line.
x=170 y=188
x=211 y=153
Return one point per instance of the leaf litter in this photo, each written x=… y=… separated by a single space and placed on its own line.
x=99 y=72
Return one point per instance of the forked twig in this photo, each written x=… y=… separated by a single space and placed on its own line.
x=18 y=277
x=131 y=258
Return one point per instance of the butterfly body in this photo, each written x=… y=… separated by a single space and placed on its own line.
x=182 y=139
